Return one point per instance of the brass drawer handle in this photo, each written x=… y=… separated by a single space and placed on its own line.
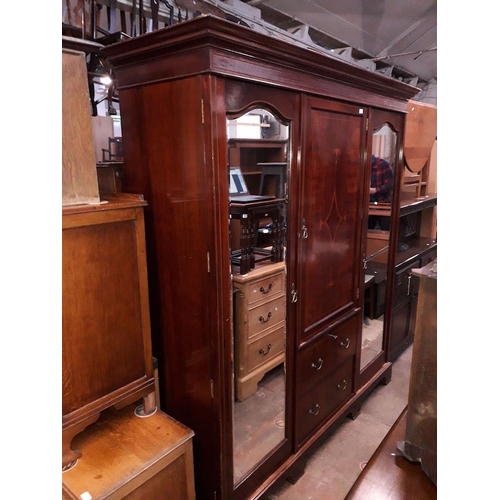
x=263 y=290
x=347 y=343
x=265 y=320
x=317 y=366
x=314 y=411
x=342 y=386
x=265 y=352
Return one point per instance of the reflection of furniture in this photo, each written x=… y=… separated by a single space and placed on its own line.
x=370 y=295
x=106 y=345
x=259 y=325
x=249 y=215
x=126 y=457
x=420 y=442
x=205 y=70
x=248 y=153
x=272 y=179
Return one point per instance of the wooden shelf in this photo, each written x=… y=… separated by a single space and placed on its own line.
x=414 y=205
x=416 y=247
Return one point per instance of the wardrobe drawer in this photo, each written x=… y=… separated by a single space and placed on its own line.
x=266 y=348
x=265 y=316
x=320 y=359
x=318 y=404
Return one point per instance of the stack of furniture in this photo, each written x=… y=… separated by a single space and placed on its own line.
x=417 y=234
x=177 y=87
x=110 y=449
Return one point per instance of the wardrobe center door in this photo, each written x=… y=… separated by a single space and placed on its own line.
x=332 y=180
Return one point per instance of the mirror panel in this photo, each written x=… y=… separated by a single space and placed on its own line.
x=383 y=164
x=258 y=166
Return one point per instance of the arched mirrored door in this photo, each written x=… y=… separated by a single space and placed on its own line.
x=258 y=144
x=383 y=169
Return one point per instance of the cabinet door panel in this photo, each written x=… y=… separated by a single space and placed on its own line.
x=332 y=180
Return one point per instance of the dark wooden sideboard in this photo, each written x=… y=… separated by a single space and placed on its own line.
x=177 y=88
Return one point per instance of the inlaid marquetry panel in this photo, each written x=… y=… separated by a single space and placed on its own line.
x=333 y=175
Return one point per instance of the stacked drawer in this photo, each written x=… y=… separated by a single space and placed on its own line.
x=325 y=376
x=259 y=325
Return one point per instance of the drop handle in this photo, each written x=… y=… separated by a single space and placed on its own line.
x=343 y=385
x=263 y=290
x=409 y=285
x=314 y=411
x=265 y=352
x=346 y=344
x=305 y=232
x=265 y=320
x=317 y=366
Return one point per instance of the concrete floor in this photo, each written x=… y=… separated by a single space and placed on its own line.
x=333 y=469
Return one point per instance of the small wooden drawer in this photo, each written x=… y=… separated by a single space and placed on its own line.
x=319 y=403
x=428 y=258
x=266 y=316
x=266 y=348
x=132 y=458
x=403 y=287
x=264 y=282
x=320 y=359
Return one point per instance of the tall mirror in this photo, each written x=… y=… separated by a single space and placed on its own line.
x=383 y=164
x=258 y=169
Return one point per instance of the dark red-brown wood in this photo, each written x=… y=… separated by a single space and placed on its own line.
x=176 y=88
x=390 y=476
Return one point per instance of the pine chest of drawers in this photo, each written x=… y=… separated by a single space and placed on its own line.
x=259 y=326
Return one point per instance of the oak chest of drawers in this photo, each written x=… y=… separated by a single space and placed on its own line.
x=259 y=325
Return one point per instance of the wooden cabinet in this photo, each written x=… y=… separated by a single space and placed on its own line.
x=132 y=458
x=259 y=325
x=106 y=336
x=414 y=251
x=177 y=88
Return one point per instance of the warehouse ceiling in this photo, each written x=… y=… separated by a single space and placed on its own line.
x=394 y=37
x=397 y=38
x=395 y=32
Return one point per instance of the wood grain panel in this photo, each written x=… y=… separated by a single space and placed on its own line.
x=322 y=357
x=79 y=175
x=171 y=155
x=420 y=134
x=318 y=404
x=333 y=173
x=126 y=457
